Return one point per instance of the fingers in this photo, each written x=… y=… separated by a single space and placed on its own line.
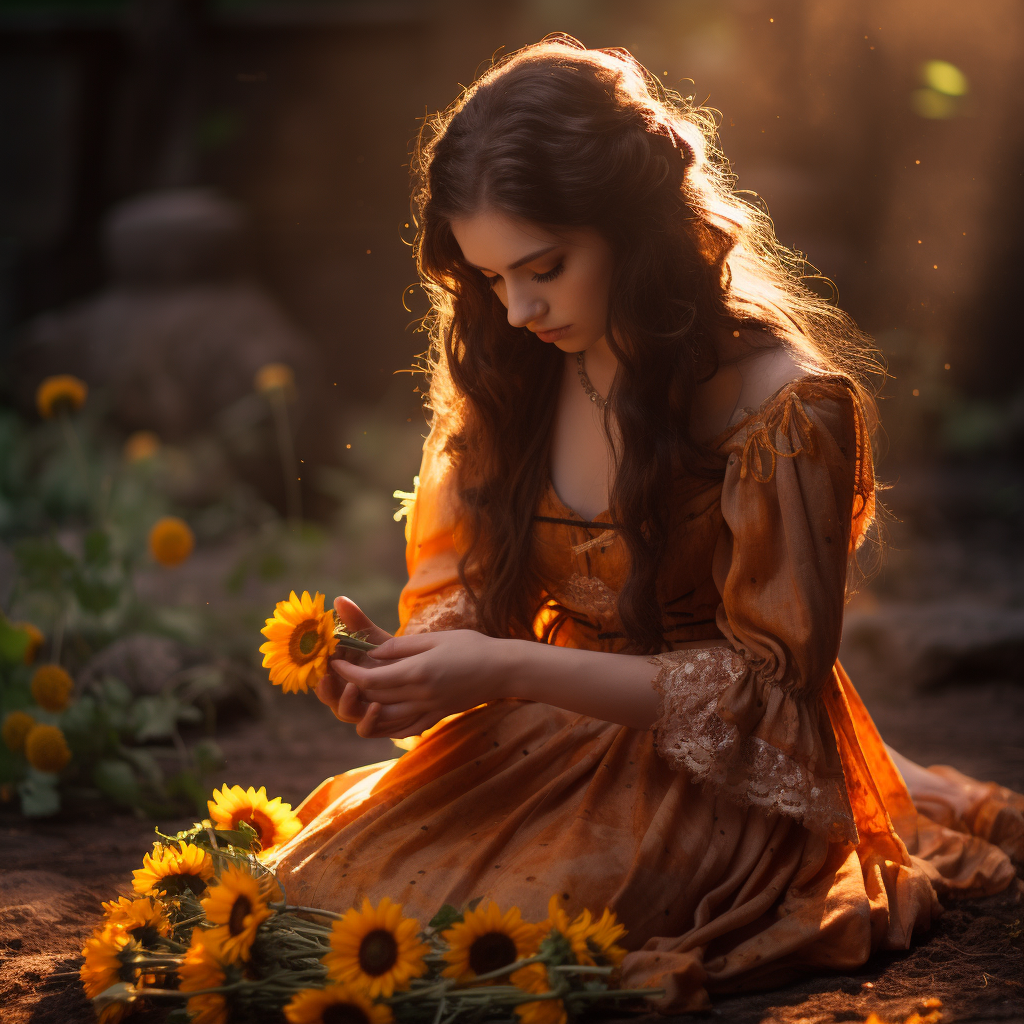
x=356 y=620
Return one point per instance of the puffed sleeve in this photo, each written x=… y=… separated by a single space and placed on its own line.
x=434 y=599
x=749 y=718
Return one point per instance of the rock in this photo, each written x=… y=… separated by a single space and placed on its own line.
x=924 y=645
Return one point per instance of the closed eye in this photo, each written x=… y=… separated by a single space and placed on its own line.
x=551 y=274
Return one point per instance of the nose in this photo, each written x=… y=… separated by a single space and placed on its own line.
x=524 y=308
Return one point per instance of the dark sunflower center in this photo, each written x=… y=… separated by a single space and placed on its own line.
x=145 y=934
x=191 y=882
x=378 y=952
x=490 y=952
x=259 y=823
x=343 y=1013
x=241 y=909
x=308 y=642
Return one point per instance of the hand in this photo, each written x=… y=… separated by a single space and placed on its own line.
x=343 y=698
x=411 y=682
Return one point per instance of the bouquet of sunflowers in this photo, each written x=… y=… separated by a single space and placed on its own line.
x=210 y=932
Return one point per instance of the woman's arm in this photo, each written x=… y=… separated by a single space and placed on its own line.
x=411 y=682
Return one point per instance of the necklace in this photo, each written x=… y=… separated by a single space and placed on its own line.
x=589 y=388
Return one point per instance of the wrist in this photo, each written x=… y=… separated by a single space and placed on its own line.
x=512 y=678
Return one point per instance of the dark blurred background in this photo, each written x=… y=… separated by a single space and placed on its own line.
x=191 y=189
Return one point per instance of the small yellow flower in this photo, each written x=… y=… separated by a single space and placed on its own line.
x=236 y=904
x=580 y=932
x=171 y=541
x=408 y=500
x=204 y=967
x=51 y=687
x=534 y=979
x=141 y=445
x=275 y=821
x=60 y=393
x=299 y=642
x=35 y=640
x=274 y=377
x=335 y=1004
x=144 y=919
x=17 y=725
x=486 y=940
x=600 y=938
x=46 y=748
x=172 y=869
x=377 y=950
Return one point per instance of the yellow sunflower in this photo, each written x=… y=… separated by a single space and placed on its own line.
x=171 y=541
x=141 y=445
x=46 y=748
x=51 y=687
x=575 y=932
x=376 y=950
x=17 y=725
x=238 y=905
x=300 y=640
x=275 y=821
x=144 y=919
x=173 y=869
x=275 y=377
x=600 y=938
x=335 y=1004
x=35 y=640
x=486 y=940
x=204 y=967
x=108 y=954
x=59 y=394
x=534 y=979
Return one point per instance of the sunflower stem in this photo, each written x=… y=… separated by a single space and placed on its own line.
x=306 y=910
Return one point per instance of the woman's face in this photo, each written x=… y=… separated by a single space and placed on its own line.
x=553 y=283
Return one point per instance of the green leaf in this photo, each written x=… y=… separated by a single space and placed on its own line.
x=116 y=780
x=13 y=642
x=188 y=787
x=96 y=596
x=154 y=718
x=208 y=756
x=146 y=765
x=113 y=691
x=44 y=563
x=97 y=547
x=39 y=796
x=445 y=918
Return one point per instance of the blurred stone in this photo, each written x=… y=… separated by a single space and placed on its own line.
x=144 y=663
x=898 y=648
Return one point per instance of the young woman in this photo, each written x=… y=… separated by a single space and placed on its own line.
x=648 y=470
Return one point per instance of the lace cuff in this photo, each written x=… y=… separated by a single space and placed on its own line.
x=750 y=740
x=450 y=609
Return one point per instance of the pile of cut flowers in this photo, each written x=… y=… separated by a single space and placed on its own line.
x=209 y=932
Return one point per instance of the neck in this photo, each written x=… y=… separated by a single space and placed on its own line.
x=601 y=364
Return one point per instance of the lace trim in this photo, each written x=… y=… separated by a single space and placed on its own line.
x=589 y=595
x=691 y=735
x=452 y=609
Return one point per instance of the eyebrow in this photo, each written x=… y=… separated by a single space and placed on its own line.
x=526 y=259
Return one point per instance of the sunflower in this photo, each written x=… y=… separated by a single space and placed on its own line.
x=275 y=821
x=335 y=1004
x=145 y=919
x=46 y=748
x=109 y=953
x=173 y=869
x=35 y=640
x=533 y=978
x=204 y=967
x=171 y=541
x=62 y=393
x=600 y=938
x=236 y=904
x=51 y=687
x=574 y=933
x=17 y=725
x=274 y=377
x=486 y=940
x=141 y=445
x=376 y=950
x=300 y=640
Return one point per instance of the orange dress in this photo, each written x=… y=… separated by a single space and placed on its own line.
x=759 y=830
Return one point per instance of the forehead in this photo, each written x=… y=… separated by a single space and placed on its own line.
x=495 y=241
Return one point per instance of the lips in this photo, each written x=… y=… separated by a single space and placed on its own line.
x=557 y=334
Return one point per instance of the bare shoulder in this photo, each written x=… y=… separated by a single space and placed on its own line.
x=763 y=372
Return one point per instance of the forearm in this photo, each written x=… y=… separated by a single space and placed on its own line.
x=612 y=687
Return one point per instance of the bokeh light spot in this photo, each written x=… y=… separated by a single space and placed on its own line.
x=944 y=77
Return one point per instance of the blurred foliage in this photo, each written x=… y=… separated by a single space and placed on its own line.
x=153 y=665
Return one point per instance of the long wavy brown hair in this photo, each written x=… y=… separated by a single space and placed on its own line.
x=562 y=136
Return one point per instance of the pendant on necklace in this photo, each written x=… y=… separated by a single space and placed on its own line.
x=589 y=388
